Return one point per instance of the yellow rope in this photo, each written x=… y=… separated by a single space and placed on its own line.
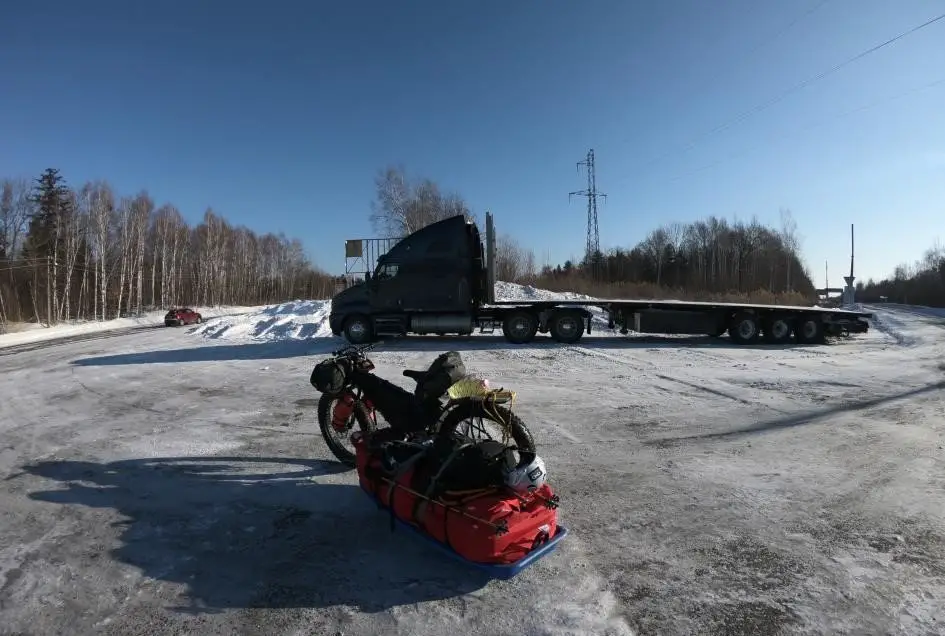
x=491 y=400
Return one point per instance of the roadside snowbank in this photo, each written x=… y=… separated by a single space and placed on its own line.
x=918 y=310
x=303 y=319
x=908 y=325
x=32 y=332
x=513 y=291
x=296 y=320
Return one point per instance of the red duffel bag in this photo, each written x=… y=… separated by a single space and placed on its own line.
x=497 y=527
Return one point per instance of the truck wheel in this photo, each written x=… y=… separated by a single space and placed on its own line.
x=520 y=327
x=777 y=330
x=809 y=330
x=359 y=330
x=566 y=327
x=743 y=328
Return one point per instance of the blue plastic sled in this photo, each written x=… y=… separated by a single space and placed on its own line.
x=496 y=571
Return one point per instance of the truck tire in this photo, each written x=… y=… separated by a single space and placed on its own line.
x=520 y=326
x=809 y=330
x=777 y=330
x=566 y=327
x=743 y=328
x=358 y=330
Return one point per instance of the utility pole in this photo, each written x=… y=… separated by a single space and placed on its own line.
x=592 y=246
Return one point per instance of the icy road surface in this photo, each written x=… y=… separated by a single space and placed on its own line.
x=171 y=482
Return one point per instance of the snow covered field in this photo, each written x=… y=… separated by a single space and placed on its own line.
x=173 y=481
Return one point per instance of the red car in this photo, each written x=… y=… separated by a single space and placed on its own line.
x=184 y=316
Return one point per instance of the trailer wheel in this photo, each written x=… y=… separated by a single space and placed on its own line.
x=566 y=327
x=358 y=330
x=777 y=330
x=743 y=328
x=520 y=327
x=809 y=330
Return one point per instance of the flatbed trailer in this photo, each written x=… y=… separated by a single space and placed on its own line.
x=441 y=280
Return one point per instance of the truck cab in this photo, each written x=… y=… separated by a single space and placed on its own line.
x=432 y=281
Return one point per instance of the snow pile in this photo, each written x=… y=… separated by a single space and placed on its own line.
x=304 y=319
x=296 y=320
x=33 y=332
x=512 y=292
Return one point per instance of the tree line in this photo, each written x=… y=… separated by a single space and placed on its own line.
x=922 y=283
x=78 y=253
x=88 y=253
x=711 y=258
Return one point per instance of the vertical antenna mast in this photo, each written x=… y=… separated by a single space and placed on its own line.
x=849 y=292
x=851 y=255
x=592 y=245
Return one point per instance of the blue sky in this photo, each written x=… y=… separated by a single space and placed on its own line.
x=279 y=114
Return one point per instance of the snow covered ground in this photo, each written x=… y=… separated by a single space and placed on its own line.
x=173 y=481
x=22 y=333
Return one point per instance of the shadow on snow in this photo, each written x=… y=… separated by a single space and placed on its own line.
x=802 y=418
x=323 y=346
x=220 y=353
x=256 y=538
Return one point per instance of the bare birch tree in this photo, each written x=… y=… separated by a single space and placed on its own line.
x=402 y=207
x=790 y=240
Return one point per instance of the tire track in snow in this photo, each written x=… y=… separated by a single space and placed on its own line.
x=66 y=340
x=562 y=431
x=696 y=383
x=701 y=387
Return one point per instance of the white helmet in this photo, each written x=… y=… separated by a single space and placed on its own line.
x=527 y=478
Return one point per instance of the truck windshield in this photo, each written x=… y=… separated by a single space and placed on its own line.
x=385 y=270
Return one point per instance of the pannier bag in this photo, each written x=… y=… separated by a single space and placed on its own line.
x=329 y=377
x=445 y=371
x=528 y=520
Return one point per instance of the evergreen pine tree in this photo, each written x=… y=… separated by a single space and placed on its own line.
x=51 y=196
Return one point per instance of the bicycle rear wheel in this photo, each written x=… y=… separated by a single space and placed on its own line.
x=506 y=420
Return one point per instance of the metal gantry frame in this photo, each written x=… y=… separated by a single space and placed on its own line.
x=361 y=254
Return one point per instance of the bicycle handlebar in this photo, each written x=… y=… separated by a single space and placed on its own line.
x=354 y=351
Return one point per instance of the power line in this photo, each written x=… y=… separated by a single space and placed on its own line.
x=787 y=27
x=766 y=41
x=19 y=267
x=815 y=124
x=793 y=89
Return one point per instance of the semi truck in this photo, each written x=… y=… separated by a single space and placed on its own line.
x=441 y=280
